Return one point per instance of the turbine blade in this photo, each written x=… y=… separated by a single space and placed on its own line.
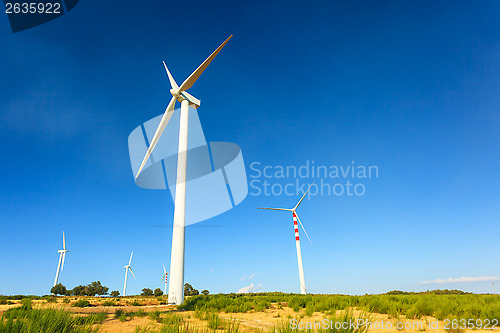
x=130 y=260
x=298 y=218
x=63 y=257
x=163 y=123
x=164 y=270
x=190 y=98
x=64 y=242
x=163 y=278
x=298 y=203
x=130 y=268
x=188 y=83
x=173 y=84
x=276 y=209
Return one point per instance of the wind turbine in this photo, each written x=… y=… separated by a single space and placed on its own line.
x=179 y=93
x=165 y=278
x=297 y=240
x=128 y=268
x=62 y=256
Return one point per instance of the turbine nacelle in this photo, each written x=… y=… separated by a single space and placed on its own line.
x=178 y=94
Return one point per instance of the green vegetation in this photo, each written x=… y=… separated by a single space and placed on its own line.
x=439 y=304
x=92 y=289
x=443 y=304
x=108 y=303
x=26 y=319
x=115 y=293
x=147 y=292
x=81 y=303
x=59 y=289
x=189 y=290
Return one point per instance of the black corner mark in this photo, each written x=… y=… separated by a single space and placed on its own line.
x=26 y=14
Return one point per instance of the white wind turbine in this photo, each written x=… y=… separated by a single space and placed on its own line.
x=297 y=240
x=176 y=286
x=128 y=268
x=165 y=278
x=62 y=256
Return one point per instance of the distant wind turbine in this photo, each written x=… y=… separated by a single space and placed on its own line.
x=128 y=268
x=297 y=240
x=165 y=278
x=62 y=256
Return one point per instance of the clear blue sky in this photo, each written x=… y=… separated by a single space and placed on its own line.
x=410 y=87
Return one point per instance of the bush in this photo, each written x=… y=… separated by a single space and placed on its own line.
x=118 y=313
x=154 y=315
x=82 y=303
x=158 y=292
x=27 y=319
x=108 y=303
x=147 y=292
x=115 y=293
x=51 y=299
x=59 y=289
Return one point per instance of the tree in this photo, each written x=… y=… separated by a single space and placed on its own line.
x=78 y=291
x=158 y=292
x=59 y=289
x=147 y=292
x=115 y=293
x=205 y=292
x=189 y=290
x=96 y=288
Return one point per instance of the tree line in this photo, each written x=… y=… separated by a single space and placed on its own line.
x=96 y=288
x=92 y=289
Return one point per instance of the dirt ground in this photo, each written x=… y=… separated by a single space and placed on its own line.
x=248 y=322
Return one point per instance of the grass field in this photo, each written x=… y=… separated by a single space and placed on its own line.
x=252 y=313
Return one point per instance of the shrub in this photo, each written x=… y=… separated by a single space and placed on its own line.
x=118 y=313
x=59 y=289
x=82 y=303
x=154 y=315
x=108 y=303
x=157 y=292
x=27 y=319
x=147 y=292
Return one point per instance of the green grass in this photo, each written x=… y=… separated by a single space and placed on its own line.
x=25 y=319
x=439 y=304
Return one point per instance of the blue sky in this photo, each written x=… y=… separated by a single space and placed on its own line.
x=409 y=87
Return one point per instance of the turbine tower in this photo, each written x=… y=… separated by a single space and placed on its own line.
x=128 y=268
x=165 y=278
x=62 y=256
x=179 y=93
x=297 y=240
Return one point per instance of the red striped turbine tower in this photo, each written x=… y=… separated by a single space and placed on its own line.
x=296 y=218
x=165 y=276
